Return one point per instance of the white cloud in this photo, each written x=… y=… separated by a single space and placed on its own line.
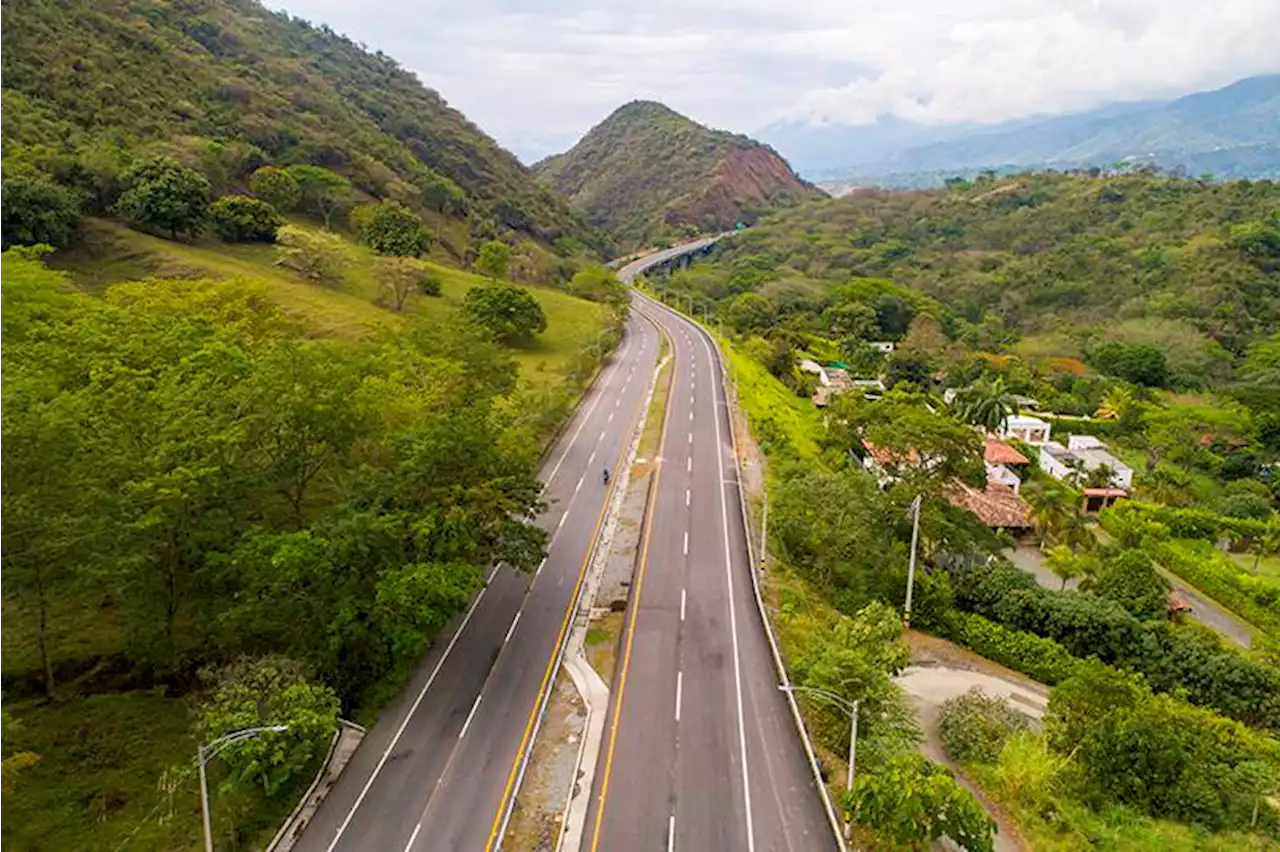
x=537 y=76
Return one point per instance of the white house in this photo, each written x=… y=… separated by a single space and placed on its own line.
x=1082 y=454
x=885 y=346
x=1057 y=461
x=1094 y=454
x=1028 y=429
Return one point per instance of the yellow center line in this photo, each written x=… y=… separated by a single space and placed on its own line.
x=631 y=623
x=546 y=675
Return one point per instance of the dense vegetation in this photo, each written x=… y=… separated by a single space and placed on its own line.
x=1063 y=261
x=647 y=172
x=227 y=86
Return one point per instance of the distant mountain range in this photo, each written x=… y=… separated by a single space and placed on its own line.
x=648 y=172
x=1231 y=132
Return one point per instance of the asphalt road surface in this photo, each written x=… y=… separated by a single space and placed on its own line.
x=700 y=750
x=438 y=770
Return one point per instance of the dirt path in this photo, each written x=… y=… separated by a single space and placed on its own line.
x=941 y=671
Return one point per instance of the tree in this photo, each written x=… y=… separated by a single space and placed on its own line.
x=269 y=690
x=277 y=187
x=1052 y=506
x=600 y=284
x=1141 y=364
x=987 y=404
x=750 y=313
x=850 y=320
x=315 y=255
x=1063 y=563
x=510 y=313
x=1130 y=579
x=493 y=259
x=36 y=209
x=165 y=195
x=400 y=277
x=323 y=192
x=1258 y=379
x=1116 y=405
x=389 y=227
x=912 y=801
x=243 y=219
x=15 y=761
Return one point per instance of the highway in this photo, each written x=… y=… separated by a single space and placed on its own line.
x=700 y=749
x=439 y=769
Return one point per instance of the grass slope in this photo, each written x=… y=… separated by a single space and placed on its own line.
x=110 y=253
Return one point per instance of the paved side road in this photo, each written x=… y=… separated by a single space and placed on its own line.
x=700 y=751
x=437 y=771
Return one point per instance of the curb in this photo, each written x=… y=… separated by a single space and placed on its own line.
x=284 y=832
x=781 y=668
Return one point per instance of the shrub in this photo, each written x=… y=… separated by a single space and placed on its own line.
x=1255 y=599
x=1189 y=523
x=430 y=285
x=165 y=196
x=244 y=219
x=975 y=726
x=1037 y=657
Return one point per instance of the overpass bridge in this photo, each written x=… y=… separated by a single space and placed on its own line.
x=669 y=259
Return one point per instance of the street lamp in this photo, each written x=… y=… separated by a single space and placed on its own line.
x=850 y=707
x=205 y=753
x=914 y=513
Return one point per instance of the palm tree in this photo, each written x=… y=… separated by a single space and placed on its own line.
x=1063 y=563
x=1268 y=542
x=1116 y=404
x=1052 y=508
x=987 y=404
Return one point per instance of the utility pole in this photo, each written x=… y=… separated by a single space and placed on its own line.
x=914 y=511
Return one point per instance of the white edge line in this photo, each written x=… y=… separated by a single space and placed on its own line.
x=404 y=723
x=512 y=628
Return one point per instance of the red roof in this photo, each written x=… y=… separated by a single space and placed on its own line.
x=996 y=506
x=998 y=452
x=884 y=455
x=1105 y=492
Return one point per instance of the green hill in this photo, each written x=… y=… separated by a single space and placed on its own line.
x=226 y=85
x=648 y=172
x=1035 y=254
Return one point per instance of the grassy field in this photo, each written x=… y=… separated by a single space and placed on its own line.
x=1268 y=566
x=115 y=768
x=110 y=253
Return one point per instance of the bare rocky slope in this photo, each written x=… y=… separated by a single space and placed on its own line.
x=646 y=172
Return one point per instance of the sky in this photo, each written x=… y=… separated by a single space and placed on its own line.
x=537 y=75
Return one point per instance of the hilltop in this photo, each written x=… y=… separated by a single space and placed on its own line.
x=647 y=172
x=227 y=85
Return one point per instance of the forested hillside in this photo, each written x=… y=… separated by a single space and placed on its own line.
x=648 y=172
x=227 y=86
x=1137 y=256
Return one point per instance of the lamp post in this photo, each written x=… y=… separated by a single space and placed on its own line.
x=914 y=513
x=205 y=753
x=850 y=707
